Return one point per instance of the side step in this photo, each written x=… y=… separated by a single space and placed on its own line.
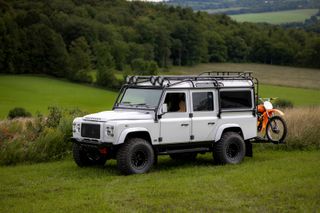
x=201 y=149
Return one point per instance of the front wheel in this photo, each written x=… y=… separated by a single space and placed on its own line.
x=135 y=156
x=276 y=130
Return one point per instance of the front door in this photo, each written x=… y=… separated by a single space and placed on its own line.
x=175 y=125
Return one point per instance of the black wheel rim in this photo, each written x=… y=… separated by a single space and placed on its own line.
x=139 y=159
x=233 y=150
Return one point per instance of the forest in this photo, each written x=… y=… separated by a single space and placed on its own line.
x=70 y=38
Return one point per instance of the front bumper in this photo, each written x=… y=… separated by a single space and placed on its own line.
x=91 y=143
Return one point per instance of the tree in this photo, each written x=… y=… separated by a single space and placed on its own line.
x=105 y=66
x=120 y=51
x=217 y=50
x=237 y=48
x=140 y=66
x=46 y=51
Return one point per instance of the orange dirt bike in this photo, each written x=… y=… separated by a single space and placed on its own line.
x=271 y=125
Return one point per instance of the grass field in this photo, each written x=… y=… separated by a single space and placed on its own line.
x=267 y=74
x=37 y=93
x=279 y=17
x=271 y=181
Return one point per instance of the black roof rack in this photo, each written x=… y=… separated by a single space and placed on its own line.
x=165 y=81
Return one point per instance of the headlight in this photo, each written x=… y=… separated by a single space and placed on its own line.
x=76 y=127
x=109 y=131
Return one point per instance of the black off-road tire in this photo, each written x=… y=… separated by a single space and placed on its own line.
x=82 y=159
x=230 y=149
x=285 y=130
x=184 y=156
x=135 y=156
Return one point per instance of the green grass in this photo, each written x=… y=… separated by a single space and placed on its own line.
x=298 y=96
x=267 y=74
x=279 y=17
x=37 y=93
x=271 y=181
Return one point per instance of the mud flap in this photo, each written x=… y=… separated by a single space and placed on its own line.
x=248 y=149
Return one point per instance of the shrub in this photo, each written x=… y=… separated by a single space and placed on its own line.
x=283 y=103
x=37 y=139
x=18 y=112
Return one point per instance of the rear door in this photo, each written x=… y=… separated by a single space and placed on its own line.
x=204 y=117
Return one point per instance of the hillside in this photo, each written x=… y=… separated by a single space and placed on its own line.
x=71 y=38
x=37 y=93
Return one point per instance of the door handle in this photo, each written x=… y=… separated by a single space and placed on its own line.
x=211 y=123
x=184 y=124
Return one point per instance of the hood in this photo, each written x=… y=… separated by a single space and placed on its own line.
x=118 y=115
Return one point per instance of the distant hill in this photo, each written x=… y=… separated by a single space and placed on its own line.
x=71 y=38
x=245 y=6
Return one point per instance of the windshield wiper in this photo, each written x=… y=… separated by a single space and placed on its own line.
x=143 y=104
x=126 y=103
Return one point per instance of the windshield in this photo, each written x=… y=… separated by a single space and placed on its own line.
x=146 y=98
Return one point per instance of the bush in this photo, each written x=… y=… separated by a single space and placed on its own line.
x=283 y=103
x=37 y=139
x=18 y=112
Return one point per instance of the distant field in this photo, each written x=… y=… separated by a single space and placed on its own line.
x=271 y=181
x=223 y=10
x=37 y=93
x=279 y=17
x=267 y=74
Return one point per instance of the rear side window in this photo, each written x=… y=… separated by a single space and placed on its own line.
x=236 y=99
x=202 y=101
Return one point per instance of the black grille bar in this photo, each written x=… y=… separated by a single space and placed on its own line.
x=90 y=130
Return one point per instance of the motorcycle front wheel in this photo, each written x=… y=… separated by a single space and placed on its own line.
x=276 y=130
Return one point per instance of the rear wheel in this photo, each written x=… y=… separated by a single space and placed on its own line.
x=83 y=158
x=276 y=130
x=230 y=149
x=135 y=156
x=184 y=156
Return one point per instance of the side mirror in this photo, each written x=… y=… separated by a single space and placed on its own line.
x=164 y=108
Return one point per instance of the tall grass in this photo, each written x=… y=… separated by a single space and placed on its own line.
x=36 y=139
x=303 y=128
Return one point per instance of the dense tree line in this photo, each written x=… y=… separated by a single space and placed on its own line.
x=70 y=38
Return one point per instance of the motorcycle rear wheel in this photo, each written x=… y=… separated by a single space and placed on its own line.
x=276 y=130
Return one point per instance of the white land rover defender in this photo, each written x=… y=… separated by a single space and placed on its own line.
x=179 y=116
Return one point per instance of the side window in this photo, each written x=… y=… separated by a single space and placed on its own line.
x=236 y=99
x=202 y=101
x=176 y=102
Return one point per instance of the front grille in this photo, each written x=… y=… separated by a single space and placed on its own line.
x=90 y=130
